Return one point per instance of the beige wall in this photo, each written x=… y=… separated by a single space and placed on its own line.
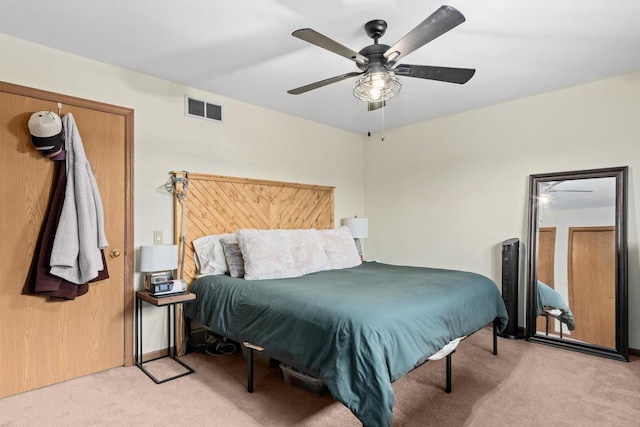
x=447 y=192
x=252 y=142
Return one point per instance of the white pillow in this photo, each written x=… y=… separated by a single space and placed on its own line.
x=340 y=248
x=307 y=249
x=210 y=257
x=266 y=254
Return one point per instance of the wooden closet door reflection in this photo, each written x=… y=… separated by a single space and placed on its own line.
x=546 y=269
x=592 y=284
x=41 y=341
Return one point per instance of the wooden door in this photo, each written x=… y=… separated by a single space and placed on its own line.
x=592 y=284
x=546 y=268
x=42 y=341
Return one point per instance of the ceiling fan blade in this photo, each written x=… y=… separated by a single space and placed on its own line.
x=551 y=185
x=549 y=189
x=314 y=37
x=440 y=21
x=374 y=105
x=316 y=85
x=443 y=74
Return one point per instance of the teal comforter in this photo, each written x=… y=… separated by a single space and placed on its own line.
x=549 y=297
x=360 y=328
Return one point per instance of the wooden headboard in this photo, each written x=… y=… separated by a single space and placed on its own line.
x=216 y=204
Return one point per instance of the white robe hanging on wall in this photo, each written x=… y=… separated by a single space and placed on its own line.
x=76 y=255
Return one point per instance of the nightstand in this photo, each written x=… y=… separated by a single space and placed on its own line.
x=170 y=302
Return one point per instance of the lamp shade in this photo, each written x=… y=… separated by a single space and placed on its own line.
x=359 y=227
x=158 y=258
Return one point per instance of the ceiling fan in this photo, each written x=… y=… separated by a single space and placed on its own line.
x=377 y=80
x=548 y=192
x=550 y=188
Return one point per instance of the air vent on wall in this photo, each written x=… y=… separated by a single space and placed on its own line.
x=202 y=109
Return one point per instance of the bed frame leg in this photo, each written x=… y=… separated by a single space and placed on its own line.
x=546 y=323
x=250 y=372
x=448 y=362
x=495 y=336
x=251 y=348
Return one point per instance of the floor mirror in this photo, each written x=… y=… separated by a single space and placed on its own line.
x=577 y=261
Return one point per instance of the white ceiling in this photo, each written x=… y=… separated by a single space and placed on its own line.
x=244 y=49
x=575 y=194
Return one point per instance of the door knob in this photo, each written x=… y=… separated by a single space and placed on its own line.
x=115 y=253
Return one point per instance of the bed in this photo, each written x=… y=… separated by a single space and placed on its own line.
x=549 y=303
x=359 y=327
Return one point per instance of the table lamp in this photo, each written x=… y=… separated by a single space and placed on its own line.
x=359 y=228
x=158 y=262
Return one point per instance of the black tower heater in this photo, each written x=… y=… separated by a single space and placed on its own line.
x=510 y=267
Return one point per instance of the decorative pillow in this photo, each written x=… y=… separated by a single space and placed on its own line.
x=233 y=255
x=266 y=254
x=340 y=248
x=308 y=253
x=210 y=257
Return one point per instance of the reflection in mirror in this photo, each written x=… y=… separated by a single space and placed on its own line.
x=577 y=261
x=576 y=224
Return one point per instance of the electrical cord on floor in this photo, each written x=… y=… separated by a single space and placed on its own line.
x=220 y=348
x=215 y=345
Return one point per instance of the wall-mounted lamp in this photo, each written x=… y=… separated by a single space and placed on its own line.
x=359 y=228
x=158 y=262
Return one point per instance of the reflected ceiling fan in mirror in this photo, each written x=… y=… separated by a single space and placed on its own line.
x=377 y=81
x=548 y=191
x=551 y=188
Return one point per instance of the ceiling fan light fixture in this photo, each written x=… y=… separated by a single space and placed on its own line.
x=377 y=86
x=544 y=199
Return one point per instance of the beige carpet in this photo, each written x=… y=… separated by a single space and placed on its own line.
x=525 y=385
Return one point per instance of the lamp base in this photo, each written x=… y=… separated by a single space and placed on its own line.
x=359 y=247
x=157 y=277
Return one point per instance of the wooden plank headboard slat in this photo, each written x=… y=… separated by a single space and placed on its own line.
x=216 y=204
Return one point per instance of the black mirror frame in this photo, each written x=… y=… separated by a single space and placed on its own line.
x=621 y=351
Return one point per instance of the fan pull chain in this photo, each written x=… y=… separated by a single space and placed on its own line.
x=382 y=120
x=382 y=131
